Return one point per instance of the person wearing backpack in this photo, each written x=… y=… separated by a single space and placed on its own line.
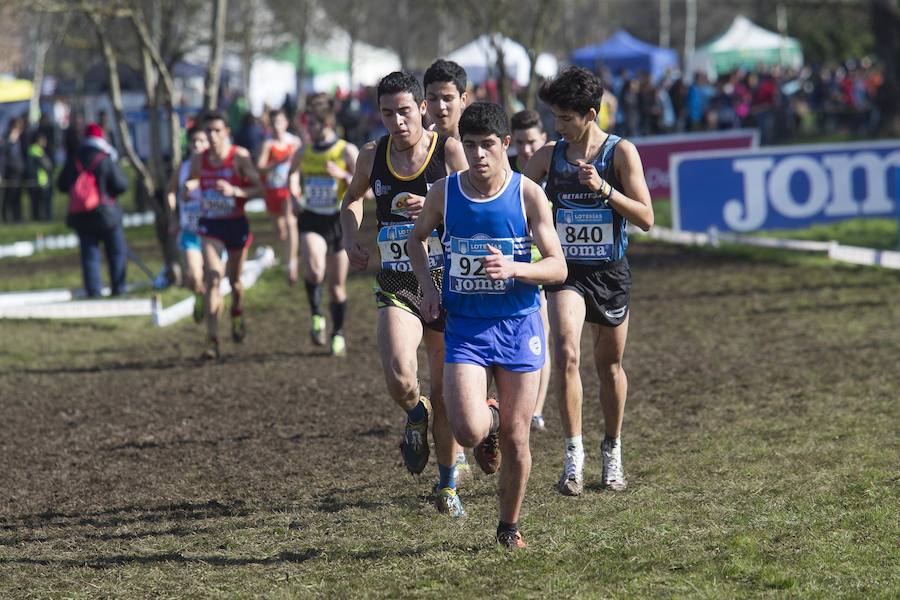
x=92 y=179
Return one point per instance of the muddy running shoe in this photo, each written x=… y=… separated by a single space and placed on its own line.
x=537 y=423
x=317 y=330
x=511 y=540
x=212 y=350
x=487 y=453
x=238 y=328
x=338 y=345
x=198 y=308
x=463 y=469
x=448 y=503
x=613 y=477
x=414 y=446
x=571 y=482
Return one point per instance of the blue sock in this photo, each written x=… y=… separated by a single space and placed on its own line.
x=418 y=414
x=447 y=477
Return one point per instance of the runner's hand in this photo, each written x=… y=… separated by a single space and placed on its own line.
x=431 y=303
x=414 y=205
x=498 y=266
x=224 y=187
x=588 y=176
x=359 y=257
x=335 y=171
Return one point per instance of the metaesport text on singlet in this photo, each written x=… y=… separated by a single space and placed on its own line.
x=590 y=231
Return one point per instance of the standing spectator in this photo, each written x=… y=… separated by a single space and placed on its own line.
x=40 y=170
x=678 y=98
x=250 y=135
x=698 y=96
x=74 y=134
x=104 y=224
x=13 y=170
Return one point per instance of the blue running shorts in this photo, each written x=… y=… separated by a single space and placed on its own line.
x=189 y=241
x=514 y=343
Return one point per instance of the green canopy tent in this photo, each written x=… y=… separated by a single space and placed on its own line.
x=746 y=45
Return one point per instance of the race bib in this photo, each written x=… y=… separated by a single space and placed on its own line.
x=392 y=244
x=321 y=193
x=278 y=176
x=585 y=234
x=190 y=214
x=215 y=204
x=467 y=274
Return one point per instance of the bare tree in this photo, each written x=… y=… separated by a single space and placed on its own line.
x=214 y=71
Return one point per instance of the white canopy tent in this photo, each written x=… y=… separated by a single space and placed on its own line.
x=274 y=77
x=745 y=45
x=479 y=59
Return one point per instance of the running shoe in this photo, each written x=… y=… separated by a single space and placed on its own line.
x=212 y=350
x=414 y=446
x=463 y=469
x=487 y=453
x=238 y=328
x=537 y=423
x=199 y=309
x=613 y=477
x=338 y=345
x=571 y=482
x=448 y=503
x=511 y=540
x=317 y=330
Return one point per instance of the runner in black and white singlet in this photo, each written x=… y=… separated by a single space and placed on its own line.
x=596 y=184
x=399 y=169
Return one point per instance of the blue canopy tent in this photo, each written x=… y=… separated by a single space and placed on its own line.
x=624 y=51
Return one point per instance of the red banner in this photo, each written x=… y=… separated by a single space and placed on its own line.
x=655 y=151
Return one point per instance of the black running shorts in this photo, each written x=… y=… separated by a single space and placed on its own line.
x=401 y=290
x=606 y=290
x=328 y=226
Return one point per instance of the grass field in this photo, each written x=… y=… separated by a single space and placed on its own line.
x=760 y=443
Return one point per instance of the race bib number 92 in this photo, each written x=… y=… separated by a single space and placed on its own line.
x=467 y=274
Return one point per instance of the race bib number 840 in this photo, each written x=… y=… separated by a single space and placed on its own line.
x=467 y=274
x=392 y=244
x=585 y=234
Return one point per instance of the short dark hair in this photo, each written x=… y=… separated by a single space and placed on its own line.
x=526 y=119
x=275 y=112
x=574 y=89
x=215 y=115
x=194 y=130
x=399 y=82
x=484 y=118
x=446 y=71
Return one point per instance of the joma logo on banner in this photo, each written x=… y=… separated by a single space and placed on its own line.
x=784 y=187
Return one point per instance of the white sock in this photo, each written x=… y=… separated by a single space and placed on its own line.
x=574 y=445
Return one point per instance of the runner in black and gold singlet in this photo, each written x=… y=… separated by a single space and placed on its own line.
x=399 y=169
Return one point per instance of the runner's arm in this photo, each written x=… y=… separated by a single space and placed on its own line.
x=295 y=175
x=633 y=202
x=193 y=179
x=263 y=161
x=352 y=207
x=551 y=268
x=172 y=193
x=244 y=166
x=539 y=164
x=454 y=157
x=417 y=248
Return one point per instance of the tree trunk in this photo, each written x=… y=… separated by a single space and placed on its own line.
x=213 y=74
x=536 y=46
x=665 y=23
x=115 y=92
